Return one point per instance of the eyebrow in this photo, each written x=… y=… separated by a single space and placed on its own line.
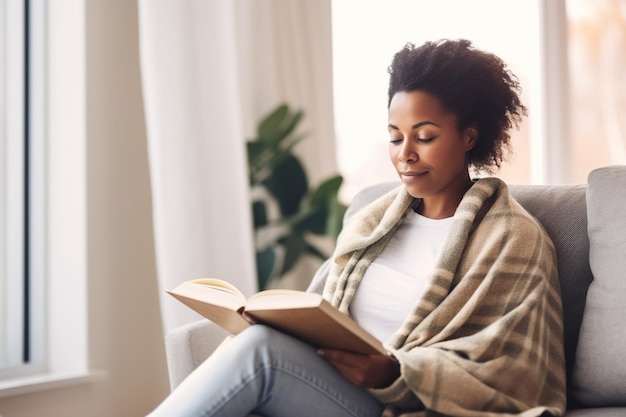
x=415 y=126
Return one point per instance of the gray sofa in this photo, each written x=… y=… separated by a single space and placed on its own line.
x=587 y=224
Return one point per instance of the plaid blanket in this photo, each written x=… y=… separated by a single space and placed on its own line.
x=485 y=339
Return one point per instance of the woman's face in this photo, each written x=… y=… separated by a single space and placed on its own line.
x=428 y=151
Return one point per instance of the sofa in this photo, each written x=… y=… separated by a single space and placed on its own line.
x=587 y=223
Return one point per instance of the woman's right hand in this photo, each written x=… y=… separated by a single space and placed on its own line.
x=365 y=371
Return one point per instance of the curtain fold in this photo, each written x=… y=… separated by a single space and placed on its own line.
x=285 y=54
x=210 y=71
x=196 y=153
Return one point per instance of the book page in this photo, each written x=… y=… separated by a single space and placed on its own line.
x=212 y=299
x=282 y=298
x=219 y=284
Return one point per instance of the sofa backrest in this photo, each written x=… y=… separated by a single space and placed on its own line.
x=562 y=211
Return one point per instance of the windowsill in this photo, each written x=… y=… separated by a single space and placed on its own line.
x=44 y=382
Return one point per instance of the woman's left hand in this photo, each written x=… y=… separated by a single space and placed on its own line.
x=365 y=371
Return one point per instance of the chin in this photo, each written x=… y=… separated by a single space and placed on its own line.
x=416 y=192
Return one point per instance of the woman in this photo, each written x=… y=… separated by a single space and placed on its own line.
x=457 y=279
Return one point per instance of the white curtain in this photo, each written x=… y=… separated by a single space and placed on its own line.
x=210 y=70
x=285 y=54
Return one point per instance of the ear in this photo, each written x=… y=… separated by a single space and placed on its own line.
x=470 y=137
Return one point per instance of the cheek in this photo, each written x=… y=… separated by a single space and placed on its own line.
x=393 y=153
x=445 y=155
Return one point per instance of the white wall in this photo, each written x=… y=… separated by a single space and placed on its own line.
x=125 y=336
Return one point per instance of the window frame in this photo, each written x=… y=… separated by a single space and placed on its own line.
x=23 y=343
x=12 y=186
x=61 y=209
x=551 y=155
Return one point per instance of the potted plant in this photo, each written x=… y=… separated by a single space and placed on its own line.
x=287 y=213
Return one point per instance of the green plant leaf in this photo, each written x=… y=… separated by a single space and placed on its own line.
x=263 y=158
x=312 y=250
x=255 y=152
x=290 y=123
x=259 y=213
x=313 y=220
x=265 y=260
x=273 y=165
x=334 y=220
x=288 y=184
x=294 y=246
x=270 y=126
x=277 y=127
x=326 y=192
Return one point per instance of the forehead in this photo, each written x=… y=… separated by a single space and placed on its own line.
x=417 y=106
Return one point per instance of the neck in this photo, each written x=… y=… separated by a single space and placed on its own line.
x=442 y=207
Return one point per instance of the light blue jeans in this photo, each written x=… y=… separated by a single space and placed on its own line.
x=266 y=372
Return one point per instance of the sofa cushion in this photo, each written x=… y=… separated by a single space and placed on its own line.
x=599 y=375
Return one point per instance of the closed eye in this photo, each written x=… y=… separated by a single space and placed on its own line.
x=421 y=140
x=425 y=140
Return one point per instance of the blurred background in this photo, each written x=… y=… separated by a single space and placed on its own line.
x=125 y=167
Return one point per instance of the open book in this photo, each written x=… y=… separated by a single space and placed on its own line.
x=304 y=315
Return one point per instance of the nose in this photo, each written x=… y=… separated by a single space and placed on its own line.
x=408 y=153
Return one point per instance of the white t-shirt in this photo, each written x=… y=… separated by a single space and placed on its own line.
x=396 y=279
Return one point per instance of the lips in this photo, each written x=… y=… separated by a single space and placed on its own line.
x=412 y=176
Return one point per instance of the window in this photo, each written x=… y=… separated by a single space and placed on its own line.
x=21 y=188
x=558 y=49
x=53 y=68
x=597 y=84
x=363 y=47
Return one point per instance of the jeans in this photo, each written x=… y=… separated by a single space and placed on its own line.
x=266 y=372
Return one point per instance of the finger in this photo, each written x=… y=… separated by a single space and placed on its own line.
x=345 y=357
x=352 y=366
x=352 y=374
x=367 y=371
x=248 y=317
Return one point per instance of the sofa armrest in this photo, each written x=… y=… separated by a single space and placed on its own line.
x=188 y=346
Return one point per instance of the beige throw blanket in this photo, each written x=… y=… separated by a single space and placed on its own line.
x=487 y=333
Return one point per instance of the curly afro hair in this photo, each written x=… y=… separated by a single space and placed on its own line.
x=475 y=86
